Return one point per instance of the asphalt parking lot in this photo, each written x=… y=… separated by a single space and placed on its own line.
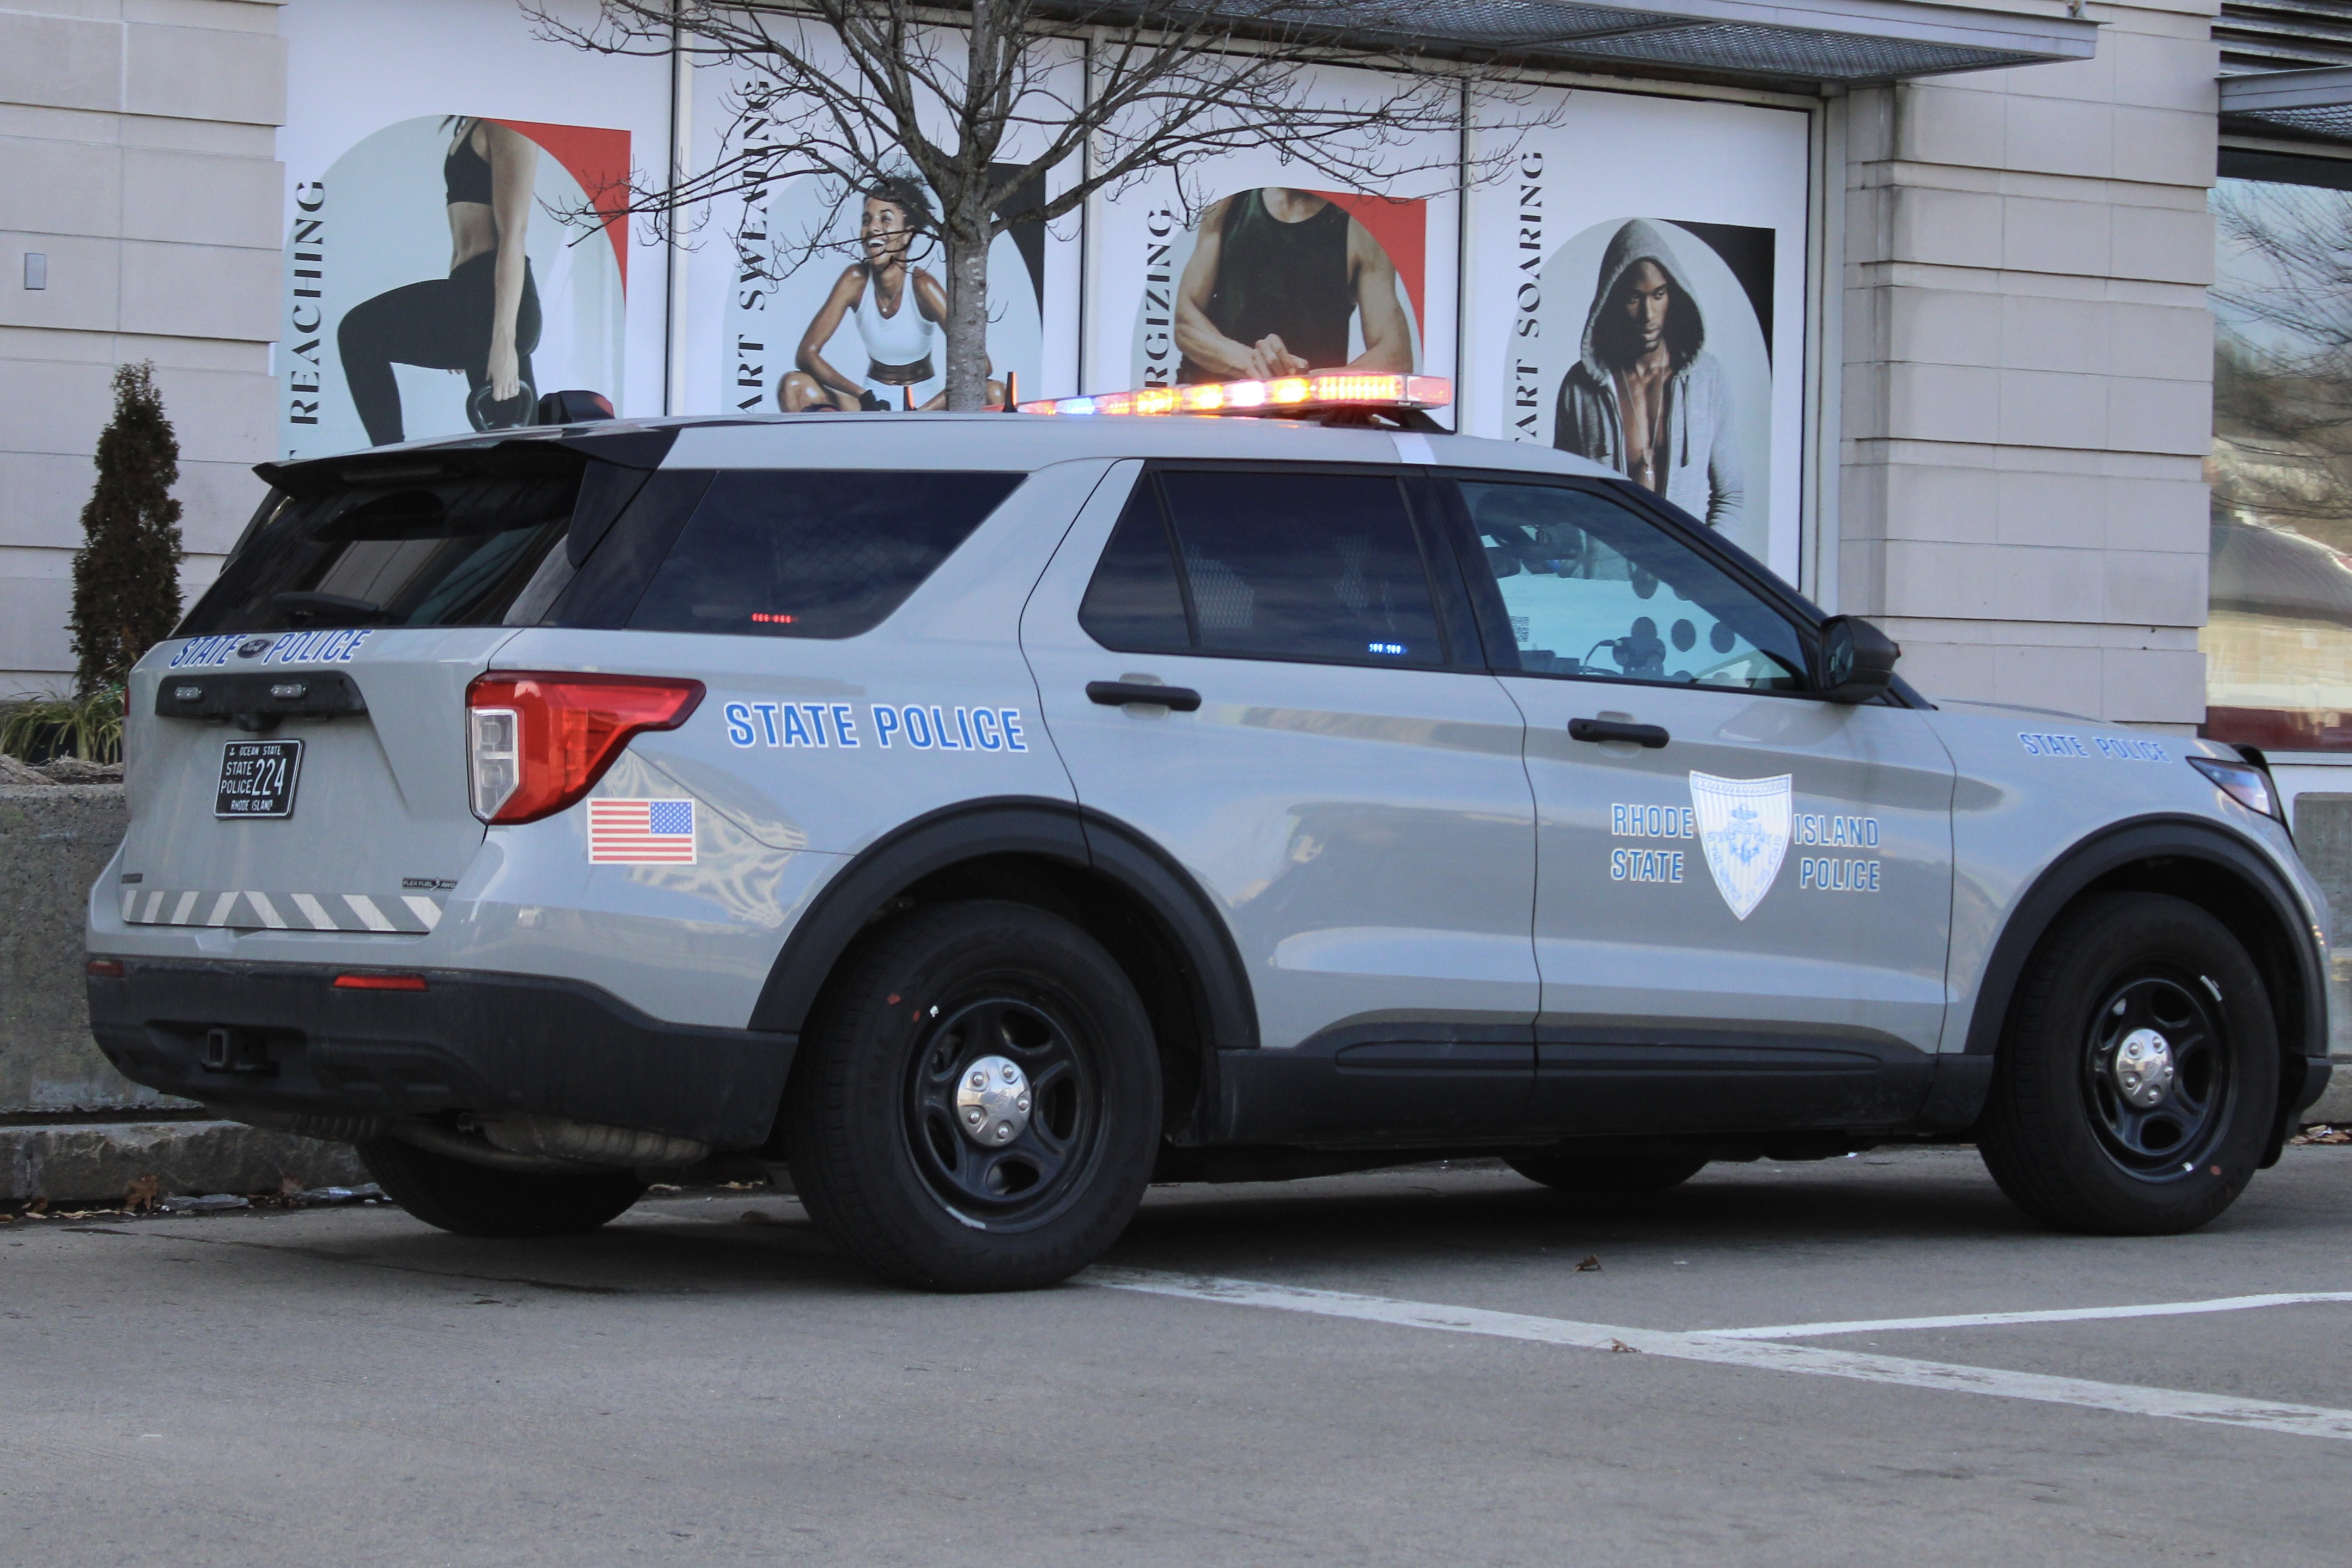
x=1447 y=1367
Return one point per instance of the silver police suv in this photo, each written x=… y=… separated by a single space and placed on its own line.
x=988 y=815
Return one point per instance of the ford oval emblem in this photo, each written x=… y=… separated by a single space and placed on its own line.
x=254 y=647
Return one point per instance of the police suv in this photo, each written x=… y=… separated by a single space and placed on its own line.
x=987 y=815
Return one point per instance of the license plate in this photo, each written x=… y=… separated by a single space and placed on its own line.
x=256 y=779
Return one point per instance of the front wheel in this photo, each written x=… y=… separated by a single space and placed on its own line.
x=976 y=1107
x=2139 y=1076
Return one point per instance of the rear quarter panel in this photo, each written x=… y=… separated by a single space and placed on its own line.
x=780 y=807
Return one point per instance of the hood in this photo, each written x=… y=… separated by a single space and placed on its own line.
x=1638 y=240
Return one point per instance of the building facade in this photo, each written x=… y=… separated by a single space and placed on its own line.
x=1953 y=263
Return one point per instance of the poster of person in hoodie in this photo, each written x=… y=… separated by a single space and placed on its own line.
x=1672 y=381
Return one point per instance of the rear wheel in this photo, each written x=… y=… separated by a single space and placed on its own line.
x=475 y=1200
x=1655 y=1173
x=2139 y=1077
x=976 y=1107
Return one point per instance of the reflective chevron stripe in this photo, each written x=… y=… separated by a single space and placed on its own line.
x=408 y=914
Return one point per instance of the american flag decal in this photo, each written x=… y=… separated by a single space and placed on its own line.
x=640 y=833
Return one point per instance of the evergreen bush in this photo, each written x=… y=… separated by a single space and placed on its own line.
x=126 y=576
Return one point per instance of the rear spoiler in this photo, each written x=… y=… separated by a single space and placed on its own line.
x=555 y=453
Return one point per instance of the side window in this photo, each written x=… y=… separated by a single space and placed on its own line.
x=1266 y=564
x=1593 y=588
x=812 y=552
x=1133 y=604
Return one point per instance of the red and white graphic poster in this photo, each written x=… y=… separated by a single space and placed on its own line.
x=457 y=235
x=1252 y=266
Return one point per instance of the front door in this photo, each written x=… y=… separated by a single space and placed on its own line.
x=1336 y=769
x=1744 y=892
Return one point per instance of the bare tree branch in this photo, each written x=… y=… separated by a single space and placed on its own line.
x=1090 y=96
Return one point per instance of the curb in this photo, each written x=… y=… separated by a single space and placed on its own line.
x=95 y=1162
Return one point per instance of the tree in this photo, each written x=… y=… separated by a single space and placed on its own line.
x=855 y=93
x=126 y=576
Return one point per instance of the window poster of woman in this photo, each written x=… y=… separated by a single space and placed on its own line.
x=840 y=298
x=438 y=282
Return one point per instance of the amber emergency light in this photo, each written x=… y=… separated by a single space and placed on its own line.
x=1283 y=395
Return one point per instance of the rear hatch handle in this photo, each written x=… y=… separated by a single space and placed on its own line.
x=255 y=701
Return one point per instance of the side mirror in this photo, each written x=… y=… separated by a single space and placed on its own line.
x=1857 y=660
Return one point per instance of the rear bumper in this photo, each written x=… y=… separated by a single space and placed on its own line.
x=470 y=1041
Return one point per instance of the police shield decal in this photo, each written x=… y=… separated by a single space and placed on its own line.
x=1743 y=826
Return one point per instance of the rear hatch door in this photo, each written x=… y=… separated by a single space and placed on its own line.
x=297 y=756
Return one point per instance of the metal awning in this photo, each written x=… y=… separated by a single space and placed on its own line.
x=2316 y=102
x=1842 y=42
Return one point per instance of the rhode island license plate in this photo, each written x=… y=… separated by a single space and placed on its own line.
x=257 y=779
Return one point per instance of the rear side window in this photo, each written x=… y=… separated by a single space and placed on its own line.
x=1266 y=564
x=812 y=552
x=451 y=551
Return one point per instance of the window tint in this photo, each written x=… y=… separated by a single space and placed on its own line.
x=1133 y=604
x=1299 y=566
x=811 y=552
x=1591 y=588
x=444 y=553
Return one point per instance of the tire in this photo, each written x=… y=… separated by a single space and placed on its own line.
x=475 y=1200
x=926 y=1188
x=1655 y=1174
x=2061 y=1133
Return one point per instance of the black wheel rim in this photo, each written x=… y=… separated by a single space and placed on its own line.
x=2166 y=1136
x=1028 y=1176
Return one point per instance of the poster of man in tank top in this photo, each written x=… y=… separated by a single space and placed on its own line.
x=1269 y=280
x=1645 y=312
x=1280 y=281
x=1250 y=264
x=438 y=280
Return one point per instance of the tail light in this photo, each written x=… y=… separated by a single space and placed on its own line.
x=536 y=743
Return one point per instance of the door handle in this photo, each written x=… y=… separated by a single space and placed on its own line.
x=1118 y=693
x=1649 y=735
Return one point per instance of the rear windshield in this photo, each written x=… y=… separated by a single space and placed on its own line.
x=460 y=551
x=804 y=552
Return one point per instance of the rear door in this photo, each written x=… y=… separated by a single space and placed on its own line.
x=1335 y=768
x=1744 y=896
x=296 y=760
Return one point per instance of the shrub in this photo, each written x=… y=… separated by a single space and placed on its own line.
x=126 y=576
x=88 y=726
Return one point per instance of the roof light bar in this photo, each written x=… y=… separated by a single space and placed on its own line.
x=1284 y=394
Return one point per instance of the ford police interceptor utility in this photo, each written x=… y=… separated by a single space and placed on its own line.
x=985 y=815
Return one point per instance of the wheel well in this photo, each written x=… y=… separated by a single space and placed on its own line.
x=1152 y=920
x=2189 y=861
x=1126 y=926
x=2249 y=916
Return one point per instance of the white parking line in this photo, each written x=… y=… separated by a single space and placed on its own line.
x=2296 y=1420
x=2052 y=1315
